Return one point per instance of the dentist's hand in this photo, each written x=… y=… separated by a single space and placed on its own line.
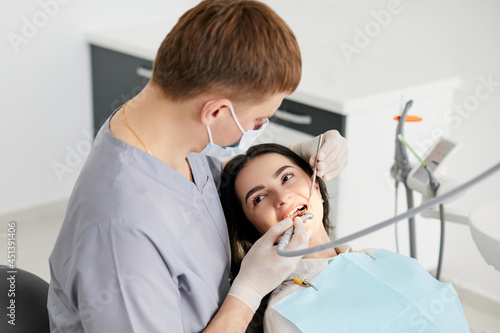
x=262 y=269
x=332 y=156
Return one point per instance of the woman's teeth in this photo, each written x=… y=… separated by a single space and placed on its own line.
x=302 y=209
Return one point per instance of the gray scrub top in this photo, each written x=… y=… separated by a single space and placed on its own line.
x=141 y=249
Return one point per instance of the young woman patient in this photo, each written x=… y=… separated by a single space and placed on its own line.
x=266 y=185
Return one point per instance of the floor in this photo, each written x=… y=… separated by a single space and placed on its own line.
x=37 y=229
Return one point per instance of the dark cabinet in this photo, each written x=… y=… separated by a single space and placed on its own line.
x=116 y=78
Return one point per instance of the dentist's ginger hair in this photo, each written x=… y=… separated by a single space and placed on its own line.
x=238 y=48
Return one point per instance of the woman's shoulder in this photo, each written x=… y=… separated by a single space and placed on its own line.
x=347 y=248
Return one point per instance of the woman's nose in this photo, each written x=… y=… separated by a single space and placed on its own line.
x=283 y=198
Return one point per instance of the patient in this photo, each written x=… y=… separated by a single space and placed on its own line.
x=263 y=187
x=266 y=185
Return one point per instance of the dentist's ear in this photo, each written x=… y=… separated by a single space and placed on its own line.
x=211 y=110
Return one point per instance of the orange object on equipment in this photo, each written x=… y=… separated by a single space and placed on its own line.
x=409 y=118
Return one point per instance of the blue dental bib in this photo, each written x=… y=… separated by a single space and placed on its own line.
x=357 y=293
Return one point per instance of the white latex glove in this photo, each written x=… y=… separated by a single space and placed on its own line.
x=332 y=156
x=262 y=269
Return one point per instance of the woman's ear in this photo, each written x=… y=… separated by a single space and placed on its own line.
x=316 y=187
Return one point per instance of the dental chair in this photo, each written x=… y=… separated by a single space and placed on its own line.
x=31 y=315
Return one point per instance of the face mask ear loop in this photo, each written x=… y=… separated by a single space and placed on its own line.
x=210 y=135
x=208 y=127
x=232 y=113
x=234 y=116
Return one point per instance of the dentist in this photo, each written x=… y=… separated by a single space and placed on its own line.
x=144 y=245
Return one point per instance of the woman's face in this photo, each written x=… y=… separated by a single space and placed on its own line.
x=271 y=188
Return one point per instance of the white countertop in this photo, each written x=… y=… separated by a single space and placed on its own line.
x=328 y=83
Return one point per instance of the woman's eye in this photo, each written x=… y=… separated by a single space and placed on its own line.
x=287 y=177
x=257 y=199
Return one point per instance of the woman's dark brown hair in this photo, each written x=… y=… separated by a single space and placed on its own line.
x=242 y=233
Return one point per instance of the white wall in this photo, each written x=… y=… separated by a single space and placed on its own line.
x=45 y=91
x=46 y=98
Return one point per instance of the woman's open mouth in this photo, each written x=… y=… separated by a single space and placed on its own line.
x=298 y=210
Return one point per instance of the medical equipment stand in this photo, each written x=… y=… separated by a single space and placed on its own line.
x=421 y=179
x=400 y=170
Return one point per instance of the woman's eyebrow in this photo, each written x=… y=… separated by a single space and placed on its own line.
x=280 y=170
x=252 y=191
x=260 y=187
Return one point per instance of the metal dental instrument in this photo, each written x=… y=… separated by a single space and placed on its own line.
x=285 y=240
x=315 y=170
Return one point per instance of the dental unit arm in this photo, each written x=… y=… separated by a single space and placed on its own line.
x=399 y=171
x=418 y=181
x=423 y=180
x=285 y=240
x=480 y=220
x=401 y=167
x=420 y=178
x=428 y=182
x=436 y=190
x=409 y=213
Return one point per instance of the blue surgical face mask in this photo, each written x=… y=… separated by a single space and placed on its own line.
x=245 y=142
